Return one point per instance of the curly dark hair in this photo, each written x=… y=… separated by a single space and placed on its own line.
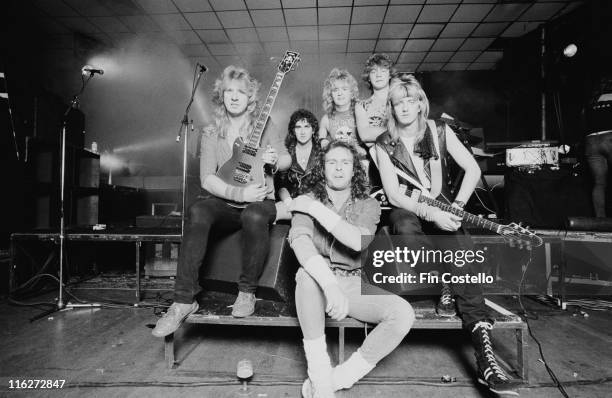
x=378 y=59
x=315 y=181
x=291 y=139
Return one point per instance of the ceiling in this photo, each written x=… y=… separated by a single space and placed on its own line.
x=421 y=35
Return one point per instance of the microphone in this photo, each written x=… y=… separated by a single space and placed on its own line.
x=91 y=70
x=203 y=68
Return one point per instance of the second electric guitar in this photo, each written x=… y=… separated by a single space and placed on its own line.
x=245 y=167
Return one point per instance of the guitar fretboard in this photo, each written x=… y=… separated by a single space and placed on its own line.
x=255 y=137
x=469 y=217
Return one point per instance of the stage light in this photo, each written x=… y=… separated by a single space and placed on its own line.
x=570 y=50
x=144 y=146
x=110 y=161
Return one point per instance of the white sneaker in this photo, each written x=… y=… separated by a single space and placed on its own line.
x=173 y=318
x=244 y=305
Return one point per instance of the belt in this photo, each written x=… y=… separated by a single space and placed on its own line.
x=346 y=272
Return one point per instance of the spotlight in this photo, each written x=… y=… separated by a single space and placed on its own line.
x=570 y=50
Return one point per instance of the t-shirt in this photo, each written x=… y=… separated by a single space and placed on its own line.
x=360 y=212
x=216 y=151
x=343 y=124
x=377 y=113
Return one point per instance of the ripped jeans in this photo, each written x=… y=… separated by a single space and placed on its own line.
x=393 y=314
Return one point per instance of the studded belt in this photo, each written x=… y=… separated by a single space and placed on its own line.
x=346 y=272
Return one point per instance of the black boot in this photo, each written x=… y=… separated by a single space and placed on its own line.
x=446 y=305
x=489 y=372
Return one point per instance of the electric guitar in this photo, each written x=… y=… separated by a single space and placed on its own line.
x=514 y=234
x=245 y=167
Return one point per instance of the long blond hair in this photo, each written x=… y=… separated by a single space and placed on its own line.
x=230 y=73
x=335 y=75
x=401 y=86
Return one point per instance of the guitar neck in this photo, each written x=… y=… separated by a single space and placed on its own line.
x=254 y=138
x=465 y=216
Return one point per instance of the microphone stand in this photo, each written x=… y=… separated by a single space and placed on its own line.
x=62 y=233
x=200 y=70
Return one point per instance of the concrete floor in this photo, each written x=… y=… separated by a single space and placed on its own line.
x=110 y=352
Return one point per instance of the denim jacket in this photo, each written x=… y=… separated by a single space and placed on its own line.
x=361 y=212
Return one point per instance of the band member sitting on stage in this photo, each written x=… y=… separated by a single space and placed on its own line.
x=328 y=230
x=416 y=146
x=340 y=93
x=371 y=113
x=235 y=100
x=303 y=145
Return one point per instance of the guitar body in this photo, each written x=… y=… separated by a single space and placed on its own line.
x=244 y=168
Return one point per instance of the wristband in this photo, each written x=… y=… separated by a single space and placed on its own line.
x=234 y=193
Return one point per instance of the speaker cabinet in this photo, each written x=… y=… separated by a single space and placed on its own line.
x=545 y=198
x=223 y=261
x=82 y=176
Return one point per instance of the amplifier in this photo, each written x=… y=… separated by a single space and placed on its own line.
x=532 y=156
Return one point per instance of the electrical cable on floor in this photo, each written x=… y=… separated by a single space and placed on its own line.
x=103 y=303
x=551 y=373
x=290 y=381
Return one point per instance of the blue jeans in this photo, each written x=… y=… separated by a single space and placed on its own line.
x=393 y=314
x=598 y=153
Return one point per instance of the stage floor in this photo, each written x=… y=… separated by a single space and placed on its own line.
x=109 y=352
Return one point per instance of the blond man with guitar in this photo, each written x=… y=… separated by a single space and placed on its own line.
x=240 y=152
x=411 y=154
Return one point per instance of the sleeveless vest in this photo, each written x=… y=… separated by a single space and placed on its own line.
x=398 y=153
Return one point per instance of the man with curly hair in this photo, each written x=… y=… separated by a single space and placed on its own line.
x=332 y=224
x=340 y=94
x=235 y=100
x=303 y=145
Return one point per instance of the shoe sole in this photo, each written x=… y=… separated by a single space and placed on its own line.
x=242 y=315
x=499 y=392
x=179 y=324
x=446 y=314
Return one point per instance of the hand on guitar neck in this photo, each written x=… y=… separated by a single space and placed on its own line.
x=444 y=220
x=514 y=234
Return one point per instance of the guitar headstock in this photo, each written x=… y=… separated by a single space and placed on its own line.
x=518 y=236
x=289 y=61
